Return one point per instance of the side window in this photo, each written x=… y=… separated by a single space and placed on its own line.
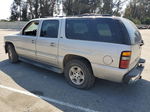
x=99 y=29
x=31 y=29
x=50 y=28
x=78 y=29
x=104 y=30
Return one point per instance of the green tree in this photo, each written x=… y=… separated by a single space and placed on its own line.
x=32 y=8
x=47 y=7
x=24 y=16
x=117 y=7
x=19 y=4
x=146 y=21
x=77 y=7
x=14 y=12
x=41 y=8
x=138 y=10
x=68 y=7
x=21 y=10
x=107 y=7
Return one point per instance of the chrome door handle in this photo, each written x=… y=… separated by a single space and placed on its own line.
x=33 y=41
x=52 y=44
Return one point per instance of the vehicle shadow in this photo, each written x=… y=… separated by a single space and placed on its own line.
x=104 y=96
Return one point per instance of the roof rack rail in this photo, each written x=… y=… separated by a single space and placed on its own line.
x=93 y=14
x=53 y=16
x=89 y=14
x=81 y=15
x=106 y=15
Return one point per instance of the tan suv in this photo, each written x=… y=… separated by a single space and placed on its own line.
x=81 y=47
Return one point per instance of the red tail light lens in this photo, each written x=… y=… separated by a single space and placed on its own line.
x=125 y=59
x=124 y=64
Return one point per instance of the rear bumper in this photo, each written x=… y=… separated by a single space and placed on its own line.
x=135 y=73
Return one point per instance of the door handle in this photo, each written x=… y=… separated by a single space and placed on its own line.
x=52 y=44
x=33 y=41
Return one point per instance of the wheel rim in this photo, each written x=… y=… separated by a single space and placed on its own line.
x=76 y=75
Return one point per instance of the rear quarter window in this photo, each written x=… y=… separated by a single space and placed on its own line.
x=99 y=29
x=133 y=32
x=104 y=30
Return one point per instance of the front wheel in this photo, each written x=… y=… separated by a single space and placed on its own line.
x=12 y=55
x=79 y=74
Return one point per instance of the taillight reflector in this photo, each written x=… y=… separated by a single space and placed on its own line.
x=126 y=53
x=124 y=64
x=125 y=59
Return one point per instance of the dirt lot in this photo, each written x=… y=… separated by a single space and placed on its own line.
x=17 y=80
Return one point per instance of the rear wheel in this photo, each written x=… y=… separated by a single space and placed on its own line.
x=12 y=55
x=79 y=74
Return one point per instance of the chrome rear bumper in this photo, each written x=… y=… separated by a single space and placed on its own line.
x=135 y=74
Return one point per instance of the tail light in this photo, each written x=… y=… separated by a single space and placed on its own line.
x=125 y=59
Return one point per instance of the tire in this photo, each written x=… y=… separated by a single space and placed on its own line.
x=86 y=78
x=12 y=55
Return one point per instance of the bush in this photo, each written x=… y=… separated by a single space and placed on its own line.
x=146 y=21
x=136 y=21
x=4 y=20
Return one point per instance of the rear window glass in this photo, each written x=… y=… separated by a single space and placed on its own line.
x=134 y=34
x=104 y=30
x=99 y=29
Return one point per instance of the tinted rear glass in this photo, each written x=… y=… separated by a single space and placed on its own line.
x=99 y=29
x=134 y=34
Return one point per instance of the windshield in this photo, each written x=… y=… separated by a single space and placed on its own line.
x=134 y=34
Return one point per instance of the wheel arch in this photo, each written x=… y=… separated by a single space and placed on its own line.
x=6 y=45
x=69 y=57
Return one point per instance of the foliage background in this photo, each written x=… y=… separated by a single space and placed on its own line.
x=137 y=10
